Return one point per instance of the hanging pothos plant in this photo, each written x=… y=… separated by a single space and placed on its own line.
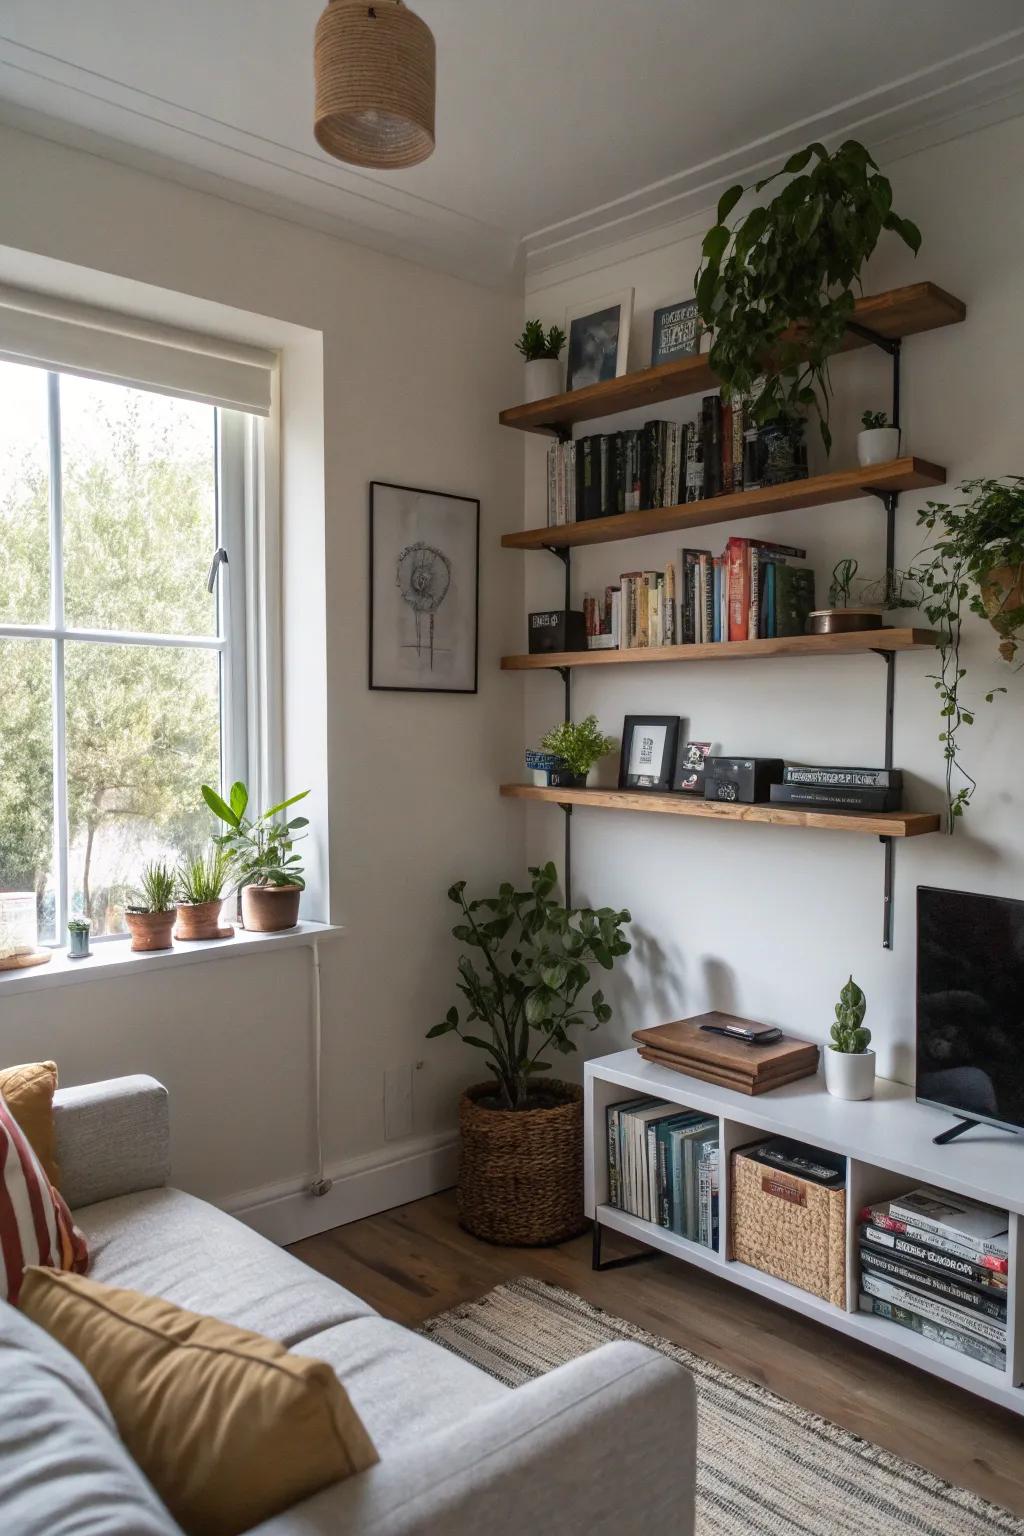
x=790 y=266
x=976 y=561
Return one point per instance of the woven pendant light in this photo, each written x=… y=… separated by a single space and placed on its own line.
x=375 y=84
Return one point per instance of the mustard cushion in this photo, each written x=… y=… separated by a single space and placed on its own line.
x=29 y=1092
x=228 y=1427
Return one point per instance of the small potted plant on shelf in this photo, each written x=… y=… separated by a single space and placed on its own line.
x=842 y=616
x=521 y=1133
x=579 y=745
x=541 y=352
x=878 y=442
x=202 y=882
x=78 y=938
x=268 y=870
x=150 y=916
x=849 y=1061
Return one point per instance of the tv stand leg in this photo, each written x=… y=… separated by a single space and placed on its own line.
x=954 y=1131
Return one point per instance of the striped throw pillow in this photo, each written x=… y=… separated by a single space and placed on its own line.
x=35 y=1224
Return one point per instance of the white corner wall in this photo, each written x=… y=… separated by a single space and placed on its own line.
x=765 y=921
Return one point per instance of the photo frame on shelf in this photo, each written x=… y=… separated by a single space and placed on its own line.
x=648 y=756
x=598 y=334
x=691 y=756
x=424 y=589
x=676 y=332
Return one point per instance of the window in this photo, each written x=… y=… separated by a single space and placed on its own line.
x=122 y=656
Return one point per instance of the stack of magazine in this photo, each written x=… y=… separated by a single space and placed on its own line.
x=663 y=1167
x=939 y=1264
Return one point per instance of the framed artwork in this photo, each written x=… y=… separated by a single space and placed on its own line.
x=424 y=589
x=676 y=332
x=688 y=778
x=648 y=751
x=598 y=339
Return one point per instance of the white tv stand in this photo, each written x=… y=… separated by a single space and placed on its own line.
x=888 y=1143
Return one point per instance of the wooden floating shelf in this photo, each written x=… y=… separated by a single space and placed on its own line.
x=874 y=823
x=898 y=312
x=865 y=641
x=907 y=474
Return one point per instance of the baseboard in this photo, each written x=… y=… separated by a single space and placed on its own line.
x=360 y=1187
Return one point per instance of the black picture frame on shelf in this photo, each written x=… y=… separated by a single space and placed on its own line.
x=688 y=777
x=648 y=755
x=676 y=332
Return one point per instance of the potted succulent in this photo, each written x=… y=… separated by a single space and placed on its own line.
x=849 y=1063
x=579 y=745
x=268 y=871
x=878 y=442
x=150 y=916
x=78 y=938
x=541 y=352
x=202 y=882
x=521 y=1133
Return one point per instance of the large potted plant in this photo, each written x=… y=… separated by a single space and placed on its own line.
x=521 y=1132
x=150 y=914
x=265 y=865
x=202 y=882
x=540 y=352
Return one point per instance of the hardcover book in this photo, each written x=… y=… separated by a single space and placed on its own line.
x=965 y=1221
x=920 y=1278
x=987 y=1274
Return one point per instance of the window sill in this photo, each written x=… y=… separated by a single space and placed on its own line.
x=119 y=959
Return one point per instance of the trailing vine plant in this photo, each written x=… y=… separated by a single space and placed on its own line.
x=776 y=287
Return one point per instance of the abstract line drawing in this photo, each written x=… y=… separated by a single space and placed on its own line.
x=423 y=575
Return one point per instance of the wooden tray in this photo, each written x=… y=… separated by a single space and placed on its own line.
x=22 y=962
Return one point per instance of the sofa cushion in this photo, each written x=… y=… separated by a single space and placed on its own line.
x=166 y=1243
x=63 y=1470
x=35 y=1224
x=28 y=1091
x=401 y=1385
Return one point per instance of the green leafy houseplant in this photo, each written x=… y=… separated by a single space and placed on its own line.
x=535 y=345
x=579 y=744
x=261 y=849
x=204 y=877
x=849 y=1037
x=156 y=890
x=528 y=990
x=776 y=288
x=975 y=562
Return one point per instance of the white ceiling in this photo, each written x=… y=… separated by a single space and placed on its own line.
x=561 y=123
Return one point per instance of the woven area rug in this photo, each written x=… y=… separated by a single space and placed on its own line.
x=764 y=1466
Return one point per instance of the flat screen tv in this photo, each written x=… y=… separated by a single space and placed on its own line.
x=970 y=1005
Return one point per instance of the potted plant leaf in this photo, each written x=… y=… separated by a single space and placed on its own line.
x=541 y=352
x=202 y=882
x=877 y=442
x=521 y=1133
x=849 y=1062
x=150 y=915
x=264 y=863
x=579 y=745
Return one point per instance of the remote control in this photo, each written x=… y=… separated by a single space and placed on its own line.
x=796 y=1163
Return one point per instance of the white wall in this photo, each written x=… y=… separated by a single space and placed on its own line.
x=765 y=921
x=415 y=368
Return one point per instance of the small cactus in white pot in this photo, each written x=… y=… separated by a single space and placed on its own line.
x=879 y=442
x=849 y=1061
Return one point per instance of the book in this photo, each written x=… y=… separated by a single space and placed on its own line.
x=920 y=1278
x=941 y=1312
x=985 y=1271
x=694 y=475
x=615 y=1158
x=794 y=599
x=950 y=1338
x=994 y=1252
x=954 y=1216
x=835 y=797
x=711 y=443
x=868 y=778
x=683 y=1169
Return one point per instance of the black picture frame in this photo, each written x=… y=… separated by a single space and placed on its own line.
x=376 y=672
x=688 y=773
x=664 y=733
x=676 y=332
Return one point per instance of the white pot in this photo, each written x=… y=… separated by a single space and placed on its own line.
x=543 y=378
x=878 y=445
x=850 y=1076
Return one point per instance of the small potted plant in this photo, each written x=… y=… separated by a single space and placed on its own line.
x=878 y=443
x=579 y=745
x=541 y=352
x=78 y=938
x=150 y=916
x=202 y=881
x=842 y=617
x=849 y=1063
x=268 y=870
x=521 y=1133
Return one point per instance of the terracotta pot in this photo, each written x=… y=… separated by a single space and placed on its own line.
x=150 y=930
x=201 y=920
x=521 y=1171
x=1002 y=593
x=270 y=908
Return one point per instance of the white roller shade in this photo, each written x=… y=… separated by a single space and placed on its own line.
x=48 y=332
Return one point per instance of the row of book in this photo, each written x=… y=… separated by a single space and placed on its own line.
x=842 y=789
x=663 y=1167
x=938 y=1264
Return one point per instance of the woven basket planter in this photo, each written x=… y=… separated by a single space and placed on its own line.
x=521 y=1171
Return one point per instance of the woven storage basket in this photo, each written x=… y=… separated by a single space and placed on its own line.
x=789 y=1228
x=521 y=1171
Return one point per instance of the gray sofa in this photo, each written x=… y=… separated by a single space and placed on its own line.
x=604 y=1444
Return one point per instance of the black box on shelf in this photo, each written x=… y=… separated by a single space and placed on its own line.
x=557 y=629
x=742 y=780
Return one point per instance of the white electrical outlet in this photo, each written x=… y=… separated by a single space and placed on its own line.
x=397 y=1103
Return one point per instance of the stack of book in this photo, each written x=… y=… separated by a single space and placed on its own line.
x=663 y=1167
x=695 y=1047
x=840 y=789
x=939 y=1264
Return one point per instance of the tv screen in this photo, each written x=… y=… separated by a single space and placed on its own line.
x=970 y=1005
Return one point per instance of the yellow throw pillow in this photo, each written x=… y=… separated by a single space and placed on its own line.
x=29 y=1093
x=228 y=1426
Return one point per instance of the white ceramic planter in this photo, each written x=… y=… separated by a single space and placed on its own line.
x=848 y=1076
x=878 y=445
x=543 y=378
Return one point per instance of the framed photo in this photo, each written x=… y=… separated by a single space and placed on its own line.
x=648 y=751
x=598 y=339
x=424 y=589
x=677 y=332
x=688 y=778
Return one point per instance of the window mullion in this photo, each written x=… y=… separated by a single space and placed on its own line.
x=60 y=765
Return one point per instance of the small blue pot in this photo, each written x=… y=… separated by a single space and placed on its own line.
x=78 y=943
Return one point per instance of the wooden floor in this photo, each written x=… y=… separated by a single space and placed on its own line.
x=414 y=1261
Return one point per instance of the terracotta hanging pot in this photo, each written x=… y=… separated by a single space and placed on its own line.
x=270 y=908
x=150 y=930
x=1002 y=594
